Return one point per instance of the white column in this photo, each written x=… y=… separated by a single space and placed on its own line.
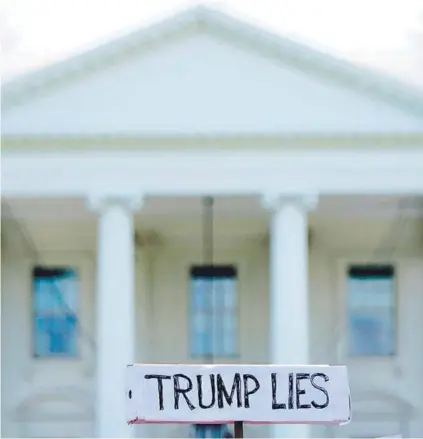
x=115 y=310
x=289 y=320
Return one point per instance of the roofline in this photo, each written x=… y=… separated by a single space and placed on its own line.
x=373 y=84
x=105 y=50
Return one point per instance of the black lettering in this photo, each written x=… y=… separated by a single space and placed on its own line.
x=247 y=392
x=159 y=379
x=299 y=391
x=222 y=392
x=291 y=391
x=322 y=389
x=178 y=391
x=275 y=405
x=200 y=391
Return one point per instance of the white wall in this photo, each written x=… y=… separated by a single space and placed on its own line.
x=32 y=389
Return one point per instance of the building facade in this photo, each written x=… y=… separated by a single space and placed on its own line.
x=314 y=253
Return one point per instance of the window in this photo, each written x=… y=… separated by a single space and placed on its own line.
x=372 y=310
x=211 y=431
x=55 y=297
x=214 y=312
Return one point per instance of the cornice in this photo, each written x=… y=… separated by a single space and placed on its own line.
x=228 y=141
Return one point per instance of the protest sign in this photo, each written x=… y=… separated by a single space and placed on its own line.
x=182 y=393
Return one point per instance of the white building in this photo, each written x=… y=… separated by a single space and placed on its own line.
x=316 y=169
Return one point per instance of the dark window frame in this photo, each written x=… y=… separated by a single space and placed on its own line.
x=208 y=272
x=50 y=271
x=369 y=271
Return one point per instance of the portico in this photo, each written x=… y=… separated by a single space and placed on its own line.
x=116 y=296
x=284 y=213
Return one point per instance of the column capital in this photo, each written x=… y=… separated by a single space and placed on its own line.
x=98 y=202
x=274 y=201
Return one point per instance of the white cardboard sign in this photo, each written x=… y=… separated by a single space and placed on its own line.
x=182 y=393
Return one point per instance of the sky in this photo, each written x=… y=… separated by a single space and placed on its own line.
x=378 y=33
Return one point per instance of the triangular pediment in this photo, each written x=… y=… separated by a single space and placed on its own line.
x=204 y=72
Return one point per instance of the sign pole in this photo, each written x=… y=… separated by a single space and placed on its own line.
x=239 y=429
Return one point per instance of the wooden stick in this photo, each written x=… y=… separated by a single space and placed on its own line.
x=239 y=429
